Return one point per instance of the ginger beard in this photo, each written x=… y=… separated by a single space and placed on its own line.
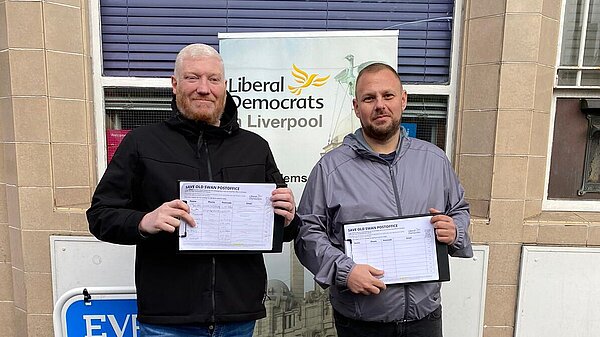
x=204 y=109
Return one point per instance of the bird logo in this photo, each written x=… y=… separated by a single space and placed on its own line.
x=305 y=80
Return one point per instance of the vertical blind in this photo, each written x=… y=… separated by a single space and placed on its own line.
x=141 y=38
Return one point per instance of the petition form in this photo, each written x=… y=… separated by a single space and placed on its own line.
x=404 y=248
x=229 y=216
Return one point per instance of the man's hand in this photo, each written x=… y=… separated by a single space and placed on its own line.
x=166 y=218
x=364 y=279
x=283 y=203
x=445 y=228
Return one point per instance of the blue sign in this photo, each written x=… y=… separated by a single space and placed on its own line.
x=102 y=318
x=411 y=129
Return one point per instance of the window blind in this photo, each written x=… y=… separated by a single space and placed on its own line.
x=142 y=37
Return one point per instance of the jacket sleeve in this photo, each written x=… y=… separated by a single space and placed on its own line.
x=457 y=208
x=112 y=216
x=315 y=248
x=290 y=232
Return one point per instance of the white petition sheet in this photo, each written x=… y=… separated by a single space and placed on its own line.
x=403 y=248
x=229 y=216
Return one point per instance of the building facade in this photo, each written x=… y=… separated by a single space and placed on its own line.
x=523 y=142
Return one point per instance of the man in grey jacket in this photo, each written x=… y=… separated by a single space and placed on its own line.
x=379 y=172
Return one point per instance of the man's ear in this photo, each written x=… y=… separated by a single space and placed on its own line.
x=174 y=84
x=355 y=106
x=404 y=99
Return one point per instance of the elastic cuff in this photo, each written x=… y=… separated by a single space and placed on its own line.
x=343 y=271
x=457 y=240
x=142 y=234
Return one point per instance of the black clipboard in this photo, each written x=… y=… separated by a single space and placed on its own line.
x=276 y=244
x=441 y=248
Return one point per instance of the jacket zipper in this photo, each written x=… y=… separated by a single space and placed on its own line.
x=202 y=143
x=395 y=187
x=399 y=207
x=214 y=302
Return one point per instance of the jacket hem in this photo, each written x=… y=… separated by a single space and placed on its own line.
x=200 y=319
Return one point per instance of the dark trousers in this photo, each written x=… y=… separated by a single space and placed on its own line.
x=429 y=326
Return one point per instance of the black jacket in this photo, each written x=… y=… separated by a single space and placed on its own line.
x=174 y=288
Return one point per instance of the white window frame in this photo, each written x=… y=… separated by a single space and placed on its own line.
x=582 y=39
x=558 y=93
x=449 y=90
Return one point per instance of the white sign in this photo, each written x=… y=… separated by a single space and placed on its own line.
x=296 y=89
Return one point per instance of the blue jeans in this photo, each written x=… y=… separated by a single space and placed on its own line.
x=236 y=329
x=429 y=326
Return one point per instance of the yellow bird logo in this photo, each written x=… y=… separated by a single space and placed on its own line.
x=305 y=80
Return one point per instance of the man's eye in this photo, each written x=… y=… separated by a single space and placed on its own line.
x=190 y=77
x=389 y=96
x=215 y=79
x=368 y=99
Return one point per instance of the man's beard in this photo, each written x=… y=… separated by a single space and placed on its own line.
x=382 y=134
x=190 y=112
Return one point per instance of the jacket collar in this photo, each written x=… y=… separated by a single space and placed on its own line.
x=357 y=142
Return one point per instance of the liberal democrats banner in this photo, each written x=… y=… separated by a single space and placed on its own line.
x=296 y=89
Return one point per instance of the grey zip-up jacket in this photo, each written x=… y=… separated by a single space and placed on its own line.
x=353 y=183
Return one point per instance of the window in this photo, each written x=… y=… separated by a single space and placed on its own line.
x=290 y=321
x=429 y=112
x=572 y=173
x=139 y=42
x=568 y=171
x=580 y=45
x=127 y=108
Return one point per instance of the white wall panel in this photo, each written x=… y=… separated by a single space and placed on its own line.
x=559 y=292
x=463 y=298
x=83 y=261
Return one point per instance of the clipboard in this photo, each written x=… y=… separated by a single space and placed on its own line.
x=277 y=233
x=441 y=249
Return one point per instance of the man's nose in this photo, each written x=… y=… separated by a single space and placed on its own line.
x=379 y=103
x=203 y=86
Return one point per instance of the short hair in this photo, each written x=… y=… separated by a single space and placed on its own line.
x=373 y=68
x=196 y=50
